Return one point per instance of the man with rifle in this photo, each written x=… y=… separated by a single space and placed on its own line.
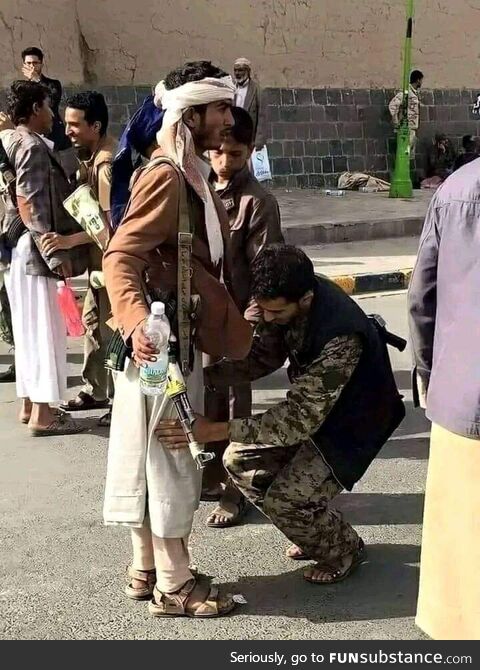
x=173 y=239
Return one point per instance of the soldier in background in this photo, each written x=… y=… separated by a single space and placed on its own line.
x=413 y=112
x=342 y=406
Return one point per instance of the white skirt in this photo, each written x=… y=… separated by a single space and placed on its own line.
x=143 y=475
x=38 y=330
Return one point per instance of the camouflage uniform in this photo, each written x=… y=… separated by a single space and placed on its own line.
x=274 y=463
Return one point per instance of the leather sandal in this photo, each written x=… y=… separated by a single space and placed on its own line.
x=175 y=604
x=147 y=577
x=336 y=574
x=62 y=425
x=83 y=402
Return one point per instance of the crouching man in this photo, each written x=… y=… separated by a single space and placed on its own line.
x=342 y=406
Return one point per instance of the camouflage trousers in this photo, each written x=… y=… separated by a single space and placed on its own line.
x=293 y=486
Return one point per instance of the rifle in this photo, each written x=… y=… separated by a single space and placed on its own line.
x=177 y=392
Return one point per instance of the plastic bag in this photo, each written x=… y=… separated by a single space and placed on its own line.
x=261 y=165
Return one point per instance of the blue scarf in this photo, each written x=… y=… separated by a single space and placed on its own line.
x=138 y=135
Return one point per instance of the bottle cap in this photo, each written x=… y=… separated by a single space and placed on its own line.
x=157 y=309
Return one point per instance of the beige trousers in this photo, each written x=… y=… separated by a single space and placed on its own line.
x=449 y=595
x=168 y=555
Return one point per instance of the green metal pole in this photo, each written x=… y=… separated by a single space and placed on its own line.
x=401 y=183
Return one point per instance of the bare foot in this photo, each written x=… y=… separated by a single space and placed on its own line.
x=295 y=553
x=338 y=570
x=229 y=512
x=26 y=411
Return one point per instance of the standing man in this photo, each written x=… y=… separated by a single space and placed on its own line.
x=36 y=202
x=413 y=112
x=32 y=69
x=254 y=218
x=174 y=222
x=248 y=95
x=343 y=405
x=443 y=301
x=86 y=117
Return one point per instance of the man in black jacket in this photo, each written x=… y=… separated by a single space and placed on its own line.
x=342 y=407
x=32 y=69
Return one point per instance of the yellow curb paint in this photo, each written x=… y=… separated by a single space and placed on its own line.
x=408 y=275
x=347 y=282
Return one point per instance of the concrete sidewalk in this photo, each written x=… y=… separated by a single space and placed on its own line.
x=358 y=267
x=366 y=267
x=311 y=217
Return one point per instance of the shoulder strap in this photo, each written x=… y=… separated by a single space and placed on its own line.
x=184 y=262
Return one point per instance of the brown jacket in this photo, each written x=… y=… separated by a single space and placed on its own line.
x=147 y=240
x=41 y=188
x=97 y=173
x=254 y=218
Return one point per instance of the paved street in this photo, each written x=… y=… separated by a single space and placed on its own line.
x=63 y=572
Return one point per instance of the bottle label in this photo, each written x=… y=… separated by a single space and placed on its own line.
x=154 y=375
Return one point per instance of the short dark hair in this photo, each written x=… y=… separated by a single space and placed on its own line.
x=32 y=51
x=415 y=76
x=242 y=130
x=192 y=71
x=282 y=271
x=21 y=98
x=93 y=105
x=469 y=143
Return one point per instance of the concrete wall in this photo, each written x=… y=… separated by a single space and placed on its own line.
x=293 y=43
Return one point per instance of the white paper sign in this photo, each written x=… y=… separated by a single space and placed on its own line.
x=261 y=165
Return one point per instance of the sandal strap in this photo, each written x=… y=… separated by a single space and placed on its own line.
x=174 y=603
x=210 y=606
x=146 y=576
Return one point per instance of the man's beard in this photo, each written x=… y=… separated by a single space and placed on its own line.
x=243 y=81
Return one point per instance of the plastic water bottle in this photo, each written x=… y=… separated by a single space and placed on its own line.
x=334 y=191
x=153 y=376
x=69 y=309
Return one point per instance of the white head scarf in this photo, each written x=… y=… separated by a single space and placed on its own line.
x=176 y=141
x=243 y=62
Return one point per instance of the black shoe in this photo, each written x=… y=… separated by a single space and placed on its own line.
x=8 y=376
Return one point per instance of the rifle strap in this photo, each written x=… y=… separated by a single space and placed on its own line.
x=184 y=265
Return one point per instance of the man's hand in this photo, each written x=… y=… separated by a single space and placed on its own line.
x=52 y=242
x=29 y=73
x=143 y=350
x=259 y=147
x=170 y=432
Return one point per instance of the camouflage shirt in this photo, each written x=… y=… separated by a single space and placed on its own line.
x=310 y=398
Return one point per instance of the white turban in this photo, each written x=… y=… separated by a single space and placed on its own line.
x=176 y=100
x=176 y=141
x=243 y=62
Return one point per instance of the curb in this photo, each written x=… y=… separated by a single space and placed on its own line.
x=352 y=231
x=396 y=280
x=370 y=283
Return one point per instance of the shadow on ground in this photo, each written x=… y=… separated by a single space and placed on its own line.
x=385 y=587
